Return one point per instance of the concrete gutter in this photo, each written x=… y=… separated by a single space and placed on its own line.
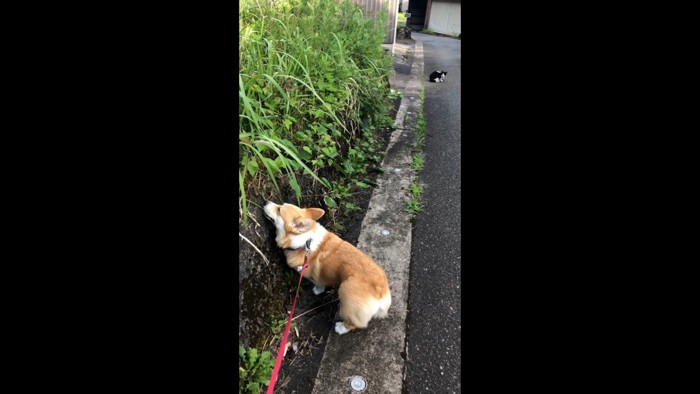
x=377 y=353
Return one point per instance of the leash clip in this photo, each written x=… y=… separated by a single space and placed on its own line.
x=308 y=247
x=308 y=250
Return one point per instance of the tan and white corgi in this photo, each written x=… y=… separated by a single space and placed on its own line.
x=362 y=286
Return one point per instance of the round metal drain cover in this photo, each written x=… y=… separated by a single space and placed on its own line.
x=357 y=383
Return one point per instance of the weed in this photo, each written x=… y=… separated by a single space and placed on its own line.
x=350 y=207
x=336 y=227
x=416 y=190
x=420 y=131
x=417 y=161
x=254 y=369
x=413 y=206
x=290 y=281
x=420 y=134
x=421 y=123
x=278 y=326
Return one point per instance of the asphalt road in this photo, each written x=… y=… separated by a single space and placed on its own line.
x=434 y=303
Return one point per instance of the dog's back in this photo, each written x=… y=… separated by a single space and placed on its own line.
x=363 y=288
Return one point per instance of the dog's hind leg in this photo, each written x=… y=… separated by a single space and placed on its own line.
x=356 y=309
x=384 y=305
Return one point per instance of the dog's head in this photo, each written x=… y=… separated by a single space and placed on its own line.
x=292 y=223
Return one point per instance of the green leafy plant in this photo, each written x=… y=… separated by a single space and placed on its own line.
x=417 y=161
x=290 y=281
x=254 y=369
x=421 y=123
x=414 y=205
x=420 y=131
x=416 y=189
x=278 y=326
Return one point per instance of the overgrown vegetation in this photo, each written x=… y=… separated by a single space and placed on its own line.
x=254 y=370
x=314 y=107
x=414 y=204
x=313 y=91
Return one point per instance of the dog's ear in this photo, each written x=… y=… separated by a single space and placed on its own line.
x=315 y=213
x=301 y=225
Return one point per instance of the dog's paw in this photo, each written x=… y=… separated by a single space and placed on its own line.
x=340 y=328
x=318 y=289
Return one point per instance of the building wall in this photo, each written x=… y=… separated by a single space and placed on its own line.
x=445 y=17
x=372 y=7
x=418 y=9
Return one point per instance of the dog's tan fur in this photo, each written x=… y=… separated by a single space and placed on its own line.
x=362 y=285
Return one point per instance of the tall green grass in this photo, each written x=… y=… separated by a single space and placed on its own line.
x=312 y=87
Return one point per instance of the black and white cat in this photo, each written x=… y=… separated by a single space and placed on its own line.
x=437 y=76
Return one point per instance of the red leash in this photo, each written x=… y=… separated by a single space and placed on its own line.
x=280 y=353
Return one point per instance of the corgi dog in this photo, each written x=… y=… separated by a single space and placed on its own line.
x=363 y=289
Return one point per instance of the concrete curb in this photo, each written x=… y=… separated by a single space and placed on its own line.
x=377 y=353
